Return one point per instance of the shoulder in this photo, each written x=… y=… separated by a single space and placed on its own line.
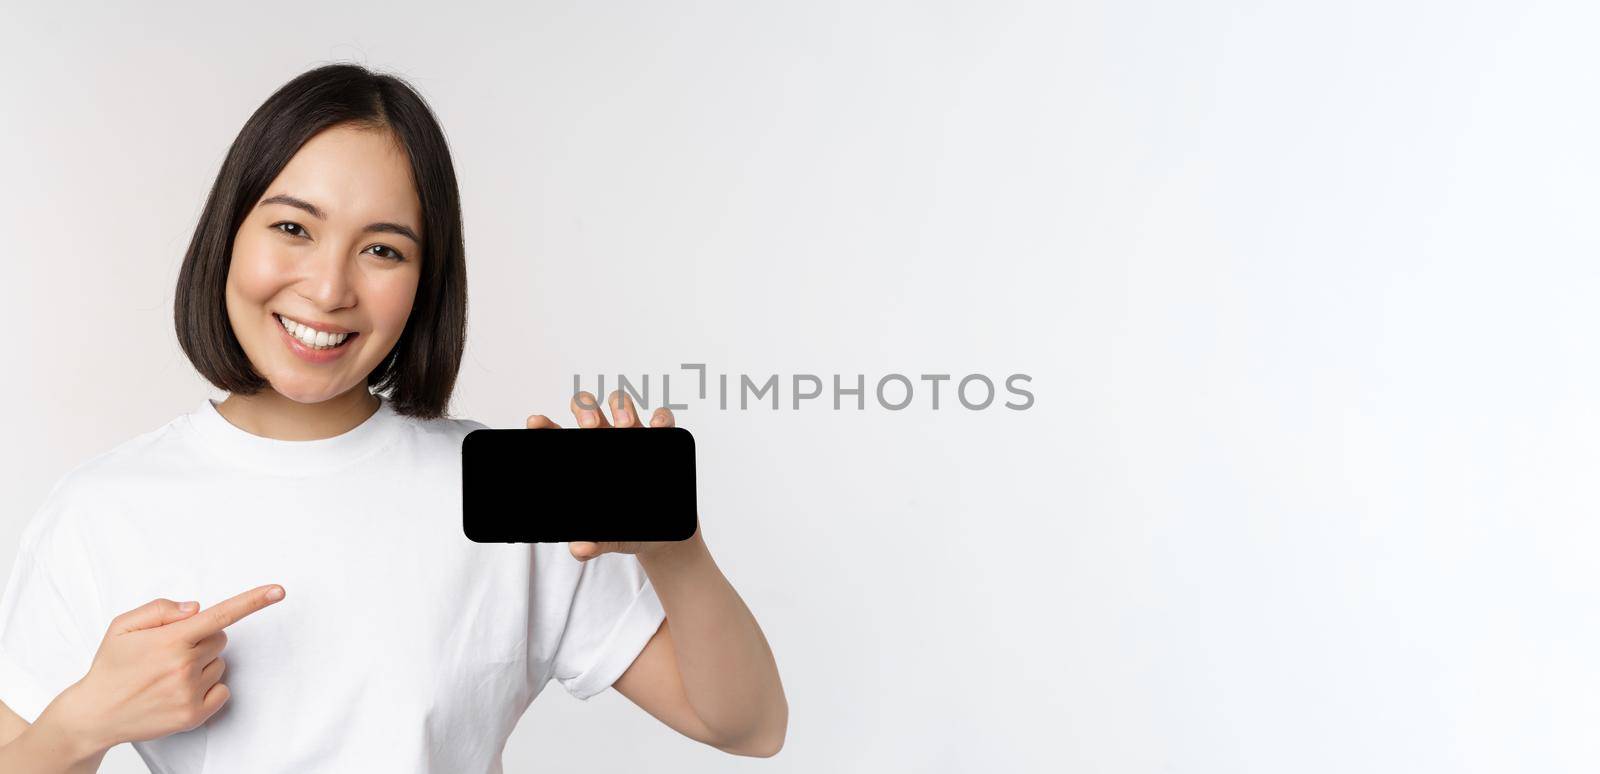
x=442 y=431
x=130 y=460
x=102 y=478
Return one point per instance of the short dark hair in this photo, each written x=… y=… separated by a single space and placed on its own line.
x=420 y=372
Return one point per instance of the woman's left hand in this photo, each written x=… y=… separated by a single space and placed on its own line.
x=587 y=411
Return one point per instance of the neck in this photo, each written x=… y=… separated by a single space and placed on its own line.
x=271 y=415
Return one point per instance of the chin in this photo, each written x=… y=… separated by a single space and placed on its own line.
x=305 y=393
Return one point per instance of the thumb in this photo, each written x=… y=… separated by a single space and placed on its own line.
x=584 y=550
x=156 y=612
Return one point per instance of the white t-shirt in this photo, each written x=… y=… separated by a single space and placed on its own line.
x=400 y=645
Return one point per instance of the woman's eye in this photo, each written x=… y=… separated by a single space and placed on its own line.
x=388 y=253
x=382 y=251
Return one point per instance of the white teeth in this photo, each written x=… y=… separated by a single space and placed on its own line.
x=310 y=337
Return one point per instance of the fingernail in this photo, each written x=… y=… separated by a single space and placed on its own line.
x=275 y=593
x=624 y=417
x=187 y=606
x=658 y=421
x=588 y=419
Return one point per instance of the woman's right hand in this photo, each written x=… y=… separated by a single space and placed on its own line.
x=157 y=671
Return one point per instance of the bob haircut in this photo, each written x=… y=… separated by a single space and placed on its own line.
x=419 y=373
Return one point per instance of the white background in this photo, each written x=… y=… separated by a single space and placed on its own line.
x=1308 y=292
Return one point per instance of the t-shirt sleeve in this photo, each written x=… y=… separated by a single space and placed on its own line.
x=44 y=647
x=614 y=613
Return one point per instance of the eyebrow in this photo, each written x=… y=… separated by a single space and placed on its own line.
x=383 y=228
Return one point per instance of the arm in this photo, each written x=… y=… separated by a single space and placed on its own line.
x=11 y=725
x=44 y=747
x=157 y=672
x=708 y=673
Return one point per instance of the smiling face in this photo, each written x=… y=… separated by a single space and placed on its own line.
x=331 y=248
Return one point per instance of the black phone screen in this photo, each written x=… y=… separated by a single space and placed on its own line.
x=558 y=485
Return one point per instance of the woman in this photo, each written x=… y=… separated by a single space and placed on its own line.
x=325 y=291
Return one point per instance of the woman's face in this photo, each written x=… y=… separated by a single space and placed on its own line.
x=332 y=246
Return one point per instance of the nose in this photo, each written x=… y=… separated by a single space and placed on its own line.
x=327 y=281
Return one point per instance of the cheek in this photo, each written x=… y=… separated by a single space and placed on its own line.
x=390 y=299
x=254 y=274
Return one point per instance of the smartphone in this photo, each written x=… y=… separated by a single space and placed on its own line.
x=557 y=485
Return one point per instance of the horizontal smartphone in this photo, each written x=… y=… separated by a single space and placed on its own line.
x=558 y=485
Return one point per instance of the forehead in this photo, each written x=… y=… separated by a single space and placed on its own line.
x=354 y=174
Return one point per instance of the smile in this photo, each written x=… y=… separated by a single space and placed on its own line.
x=311 y=337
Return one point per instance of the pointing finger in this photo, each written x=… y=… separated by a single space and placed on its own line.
x=227 y=612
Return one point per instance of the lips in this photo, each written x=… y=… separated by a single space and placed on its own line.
x=314 y=336
x=308 y=353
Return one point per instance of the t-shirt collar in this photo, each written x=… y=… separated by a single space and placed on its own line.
x=272 y=455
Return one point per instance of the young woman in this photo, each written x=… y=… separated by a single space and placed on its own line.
x=319 y=507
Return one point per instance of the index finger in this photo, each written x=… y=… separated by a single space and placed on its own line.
x=586 y=407
x=226 y=613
